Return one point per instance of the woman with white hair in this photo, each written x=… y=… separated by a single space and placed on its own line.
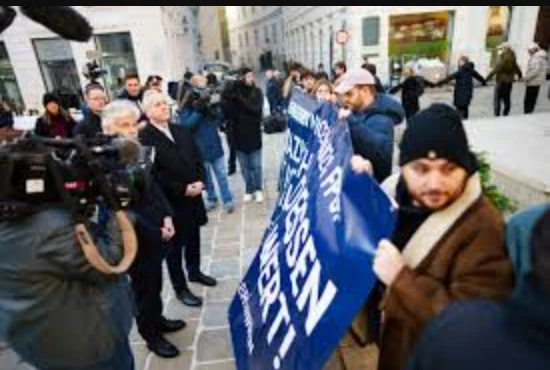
x=180 y=172
x=154 y=228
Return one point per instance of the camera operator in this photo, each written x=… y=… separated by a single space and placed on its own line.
x=96 y=99
x=202 y=116
x=154 y=229
x=57 y=311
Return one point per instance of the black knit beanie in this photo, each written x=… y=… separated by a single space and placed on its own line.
x=50 y=97
x=437 y=132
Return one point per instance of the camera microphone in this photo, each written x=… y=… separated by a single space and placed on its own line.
x=62 y=20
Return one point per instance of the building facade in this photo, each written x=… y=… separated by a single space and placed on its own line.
x=213 y=34
x=156 y=40
x=383 y=34
x=256 y=36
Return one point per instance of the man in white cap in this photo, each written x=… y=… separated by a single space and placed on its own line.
x=534 y=76
x=371 y=117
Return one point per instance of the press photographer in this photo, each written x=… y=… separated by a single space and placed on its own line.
x=201 y=114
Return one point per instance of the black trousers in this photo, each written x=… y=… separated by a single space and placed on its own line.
x=189 y=240
x=232 y=164
x=503 y=90
x=463 y=110
x=146 y=274
x=531 y=96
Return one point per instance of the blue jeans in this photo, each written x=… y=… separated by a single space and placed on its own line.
x=251 y=168
x=218 y=169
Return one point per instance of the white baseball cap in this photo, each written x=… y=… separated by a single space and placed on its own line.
x=352 y=78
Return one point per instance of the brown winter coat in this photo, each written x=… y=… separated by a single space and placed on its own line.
x=457 y=254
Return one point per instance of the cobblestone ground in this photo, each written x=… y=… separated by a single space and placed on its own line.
x=229 y=243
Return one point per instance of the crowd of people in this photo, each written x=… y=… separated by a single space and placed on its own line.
x=452 y=265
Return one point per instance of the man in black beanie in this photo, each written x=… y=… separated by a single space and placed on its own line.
x=448 y=244
x=449 y=241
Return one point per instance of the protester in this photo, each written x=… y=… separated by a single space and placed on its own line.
x=371 y=118
x=273 y=92
x=323 y=91
x=321 y=74
x=535 y=76
x=372 y=69
x=292 y=81
x=154 y=228
x=179 y=171
x=203 y=121
x=412 y=89
x=505 y=71
x=448 y=242
x=55 y=122
x=340 y=69
x=248 y=135
x=307 y=79
x=464 y=85
x=90 y=126
x=482 y=334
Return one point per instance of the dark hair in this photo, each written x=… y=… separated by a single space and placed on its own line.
x=305 y=73
x=131 y=76
x=540 y=252
x=320 y=65
x=244 y=71
x=342 y=65
x=90 y=87
x=153 y=78
x=370 y=67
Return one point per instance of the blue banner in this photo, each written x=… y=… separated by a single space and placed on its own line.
x=300 y=115
x=313 y=270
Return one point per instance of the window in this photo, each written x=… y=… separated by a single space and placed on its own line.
x=266 y=34
x=117 y=58
x=274 y=33
x=9 y=90
x=371 y=31
x=246 y=38
x=256 y=38
x=244 y=9
x=58 y=68
x=252 y=9
x=240 y=40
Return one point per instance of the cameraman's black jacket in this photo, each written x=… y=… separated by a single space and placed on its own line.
x=150 y=207
x=56 y=310
x=244 y=104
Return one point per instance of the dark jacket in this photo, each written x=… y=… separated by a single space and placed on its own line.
x=412 y=89
x=274 y=93
x=48 y=126
x=456 y=254
x=506 y=69
x=89 y=127
x=204 y=130
x=372 y=133
x=247 y=125
x=136 y=100
x=56 y=310
x=6 y=119
x=487 y=335
x=177 y=164
x=464 y=84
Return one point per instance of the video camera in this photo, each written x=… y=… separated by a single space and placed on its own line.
x=206 y=100
x=39 y=173
x=92 y=71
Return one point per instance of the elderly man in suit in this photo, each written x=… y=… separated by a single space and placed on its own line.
x=179 y=171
